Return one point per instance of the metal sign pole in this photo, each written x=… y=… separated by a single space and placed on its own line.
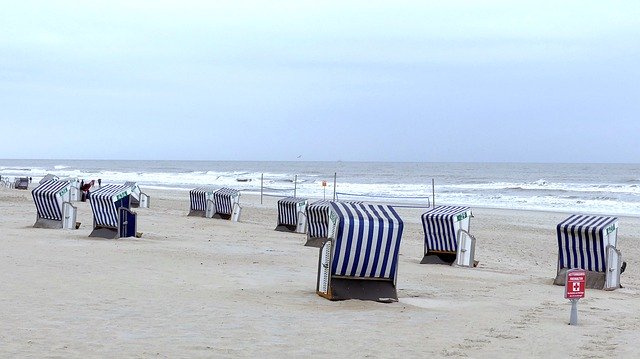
x=573 y=320
x=433 y=191
x=324 y=188
x=295 y=185
x=261 y=186
x=335 y=176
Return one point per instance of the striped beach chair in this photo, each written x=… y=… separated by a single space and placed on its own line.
x=53 y=205
x=446 y=236
x=21 y=183
x=317 y=214
x=292 y=215
x=359 y=259
x=112 y=217
x=589 y=242
x=199 y=197
x=215 y=203
x=227 y=204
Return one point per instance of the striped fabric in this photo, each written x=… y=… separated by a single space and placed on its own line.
x=367 y=241
x=581 y=242
x=438 y=224
x=224 y=199
x=103 y=204
x=288 y=210
x=318 y=218
x=198 y=198
x=48 y=198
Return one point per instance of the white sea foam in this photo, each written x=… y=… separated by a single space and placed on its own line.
x=554 y=187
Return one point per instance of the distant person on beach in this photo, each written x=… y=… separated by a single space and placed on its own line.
x=30 y=179
x=99 y=183
x=85 y=187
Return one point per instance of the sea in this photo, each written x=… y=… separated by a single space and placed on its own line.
x=610 y=189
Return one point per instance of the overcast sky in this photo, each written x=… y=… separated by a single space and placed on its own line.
x=466 y=81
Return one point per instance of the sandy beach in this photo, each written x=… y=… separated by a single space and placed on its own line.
x=193 y=287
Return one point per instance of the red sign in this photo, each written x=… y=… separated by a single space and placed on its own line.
x=575 y=283
x=324 y=183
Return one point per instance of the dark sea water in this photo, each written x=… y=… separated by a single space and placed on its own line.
x=576 y=188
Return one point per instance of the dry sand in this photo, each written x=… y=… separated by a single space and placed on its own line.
x=193 y=287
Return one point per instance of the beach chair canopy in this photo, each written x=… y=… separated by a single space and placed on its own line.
x=224 y=199
x=582 y=241
x=106 y=201
x=318 y=218
x=135 y=189
x=288 y=210
x=439 y=227
x=367 y=240
x=48 y=198
x=48 y=177
x=199 y=197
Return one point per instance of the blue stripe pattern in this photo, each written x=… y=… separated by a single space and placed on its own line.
x=581 y=242
x=438 y=225
x=224 y=199
x=288 y=210
x=367 y=241
x=198 y=198
x=47 y=199
x=103 y=205
x=318 y=218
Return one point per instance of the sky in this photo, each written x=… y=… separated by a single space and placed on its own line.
x=423 y=81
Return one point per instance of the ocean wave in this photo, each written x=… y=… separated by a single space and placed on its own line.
x=545 y=193
x=534 y=186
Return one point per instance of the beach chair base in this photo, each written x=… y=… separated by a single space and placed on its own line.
x=47 y=223
x=315 y=242
x=442 y=258
x=439 y=258
x=285 y=228
x=221 y=216
x=196 y=213
x=104 y=232
x=362 y=289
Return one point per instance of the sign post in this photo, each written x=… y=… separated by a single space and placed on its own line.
x=574 y=290
x=324 y=186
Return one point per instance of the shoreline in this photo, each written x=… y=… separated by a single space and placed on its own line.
x=197 y=287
